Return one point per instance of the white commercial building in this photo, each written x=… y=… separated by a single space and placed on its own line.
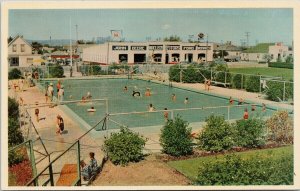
x=142 y=52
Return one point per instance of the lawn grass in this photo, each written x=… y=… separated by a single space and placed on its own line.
x=279 y=72
x=189 y=167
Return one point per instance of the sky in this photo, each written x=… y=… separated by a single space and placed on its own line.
x=220 y=25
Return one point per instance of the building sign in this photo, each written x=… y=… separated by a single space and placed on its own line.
x=156 y=47
x=119 y=47
x=203 y=47
x=188 y=47
x=138 y=47
x=173 y=47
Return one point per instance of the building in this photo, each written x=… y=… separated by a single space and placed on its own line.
x=275 y=50
x=20 y=53
x=234 y=52
x=279 y=51
x=142 y=52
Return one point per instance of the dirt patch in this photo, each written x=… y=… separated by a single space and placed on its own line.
x=149 y=172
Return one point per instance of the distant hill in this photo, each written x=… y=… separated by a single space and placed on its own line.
x=53 y=42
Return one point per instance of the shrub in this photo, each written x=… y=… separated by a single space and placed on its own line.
x=280 y=128
x=221 y=70
x=124 y=147
x=275 y=91
x=56 y=71
x=174 y=73
x=13 y=108
x=14 y=74
x=191 y=75
x=250 y=133
x=175 y=138
x=217 y=135
x=237 y=81
x=22 y=172
x=256 y=170
x=15 y=157
x=15 y=136
x=95 y=70
x=281 y=65
x=252 y=84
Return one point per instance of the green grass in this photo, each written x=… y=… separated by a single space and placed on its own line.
x=190 y=167
x=279 y=72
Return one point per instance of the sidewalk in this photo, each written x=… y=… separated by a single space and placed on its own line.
x=56 y=143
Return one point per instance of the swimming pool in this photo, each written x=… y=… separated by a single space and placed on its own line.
x=120 y=101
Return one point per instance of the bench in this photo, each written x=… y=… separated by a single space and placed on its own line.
x=221 y=83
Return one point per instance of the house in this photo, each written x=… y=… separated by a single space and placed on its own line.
x=256 y=53
x=275 y=50
x=20 y=53
x=234 y=52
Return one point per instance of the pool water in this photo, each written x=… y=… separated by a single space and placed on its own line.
x=120 y=101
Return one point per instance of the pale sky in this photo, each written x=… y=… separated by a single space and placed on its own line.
x=264 y=25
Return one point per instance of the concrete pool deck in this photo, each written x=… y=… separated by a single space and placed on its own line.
x=56 y=144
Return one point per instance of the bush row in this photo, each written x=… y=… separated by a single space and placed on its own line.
x=274 y=91
x=256 y=170
x=281 y=65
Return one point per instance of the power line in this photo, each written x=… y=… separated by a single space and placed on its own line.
x=247 y=35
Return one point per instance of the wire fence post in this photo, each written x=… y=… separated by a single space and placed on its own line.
x=78 y=163
x=32 y=159
x=242 y=81
x=180 y=75
x=172 y=114
x=228 y=112
x=211 y=74
x=51 y=175
x=225 y=77
x=283 y=91
x=260 y=84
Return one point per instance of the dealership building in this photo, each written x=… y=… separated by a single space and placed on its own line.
x=142 y=52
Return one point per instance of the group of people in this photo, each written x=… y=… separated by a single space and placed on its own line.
x=88 y=170
x=49 y=93
x=86 y=97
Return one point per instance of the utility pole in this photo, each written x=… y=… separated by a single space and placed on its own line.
x=247 y=36
x=206 y=48
x=76 y=64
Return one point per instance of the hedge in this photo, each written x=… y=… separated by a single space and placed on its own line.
x=255 y=170
x=14 y=74
x=275 y=91
x=281 y=65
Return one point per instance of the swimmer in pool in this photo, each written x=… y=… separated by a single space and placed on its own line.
x=135 y=93
x=92 y=109
x=148 y=93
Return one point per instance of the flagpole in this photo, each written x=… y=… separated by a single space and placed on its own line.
x=71 y=56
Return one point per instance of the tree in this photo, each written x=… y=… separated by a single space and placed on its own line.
x=289 y=59
x=9 y=39
x=14 y=74
x=36 y=46
x=267 y=58
x=173 y=38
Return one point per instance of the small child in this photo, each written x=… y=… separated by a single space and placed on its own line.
x=231 y=101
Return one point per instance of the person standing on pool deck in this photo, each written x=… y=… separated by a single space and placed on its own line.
x=61 y=93
x=186 y=101
x=50 y=91
x=58 y=86
x=60 y=126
